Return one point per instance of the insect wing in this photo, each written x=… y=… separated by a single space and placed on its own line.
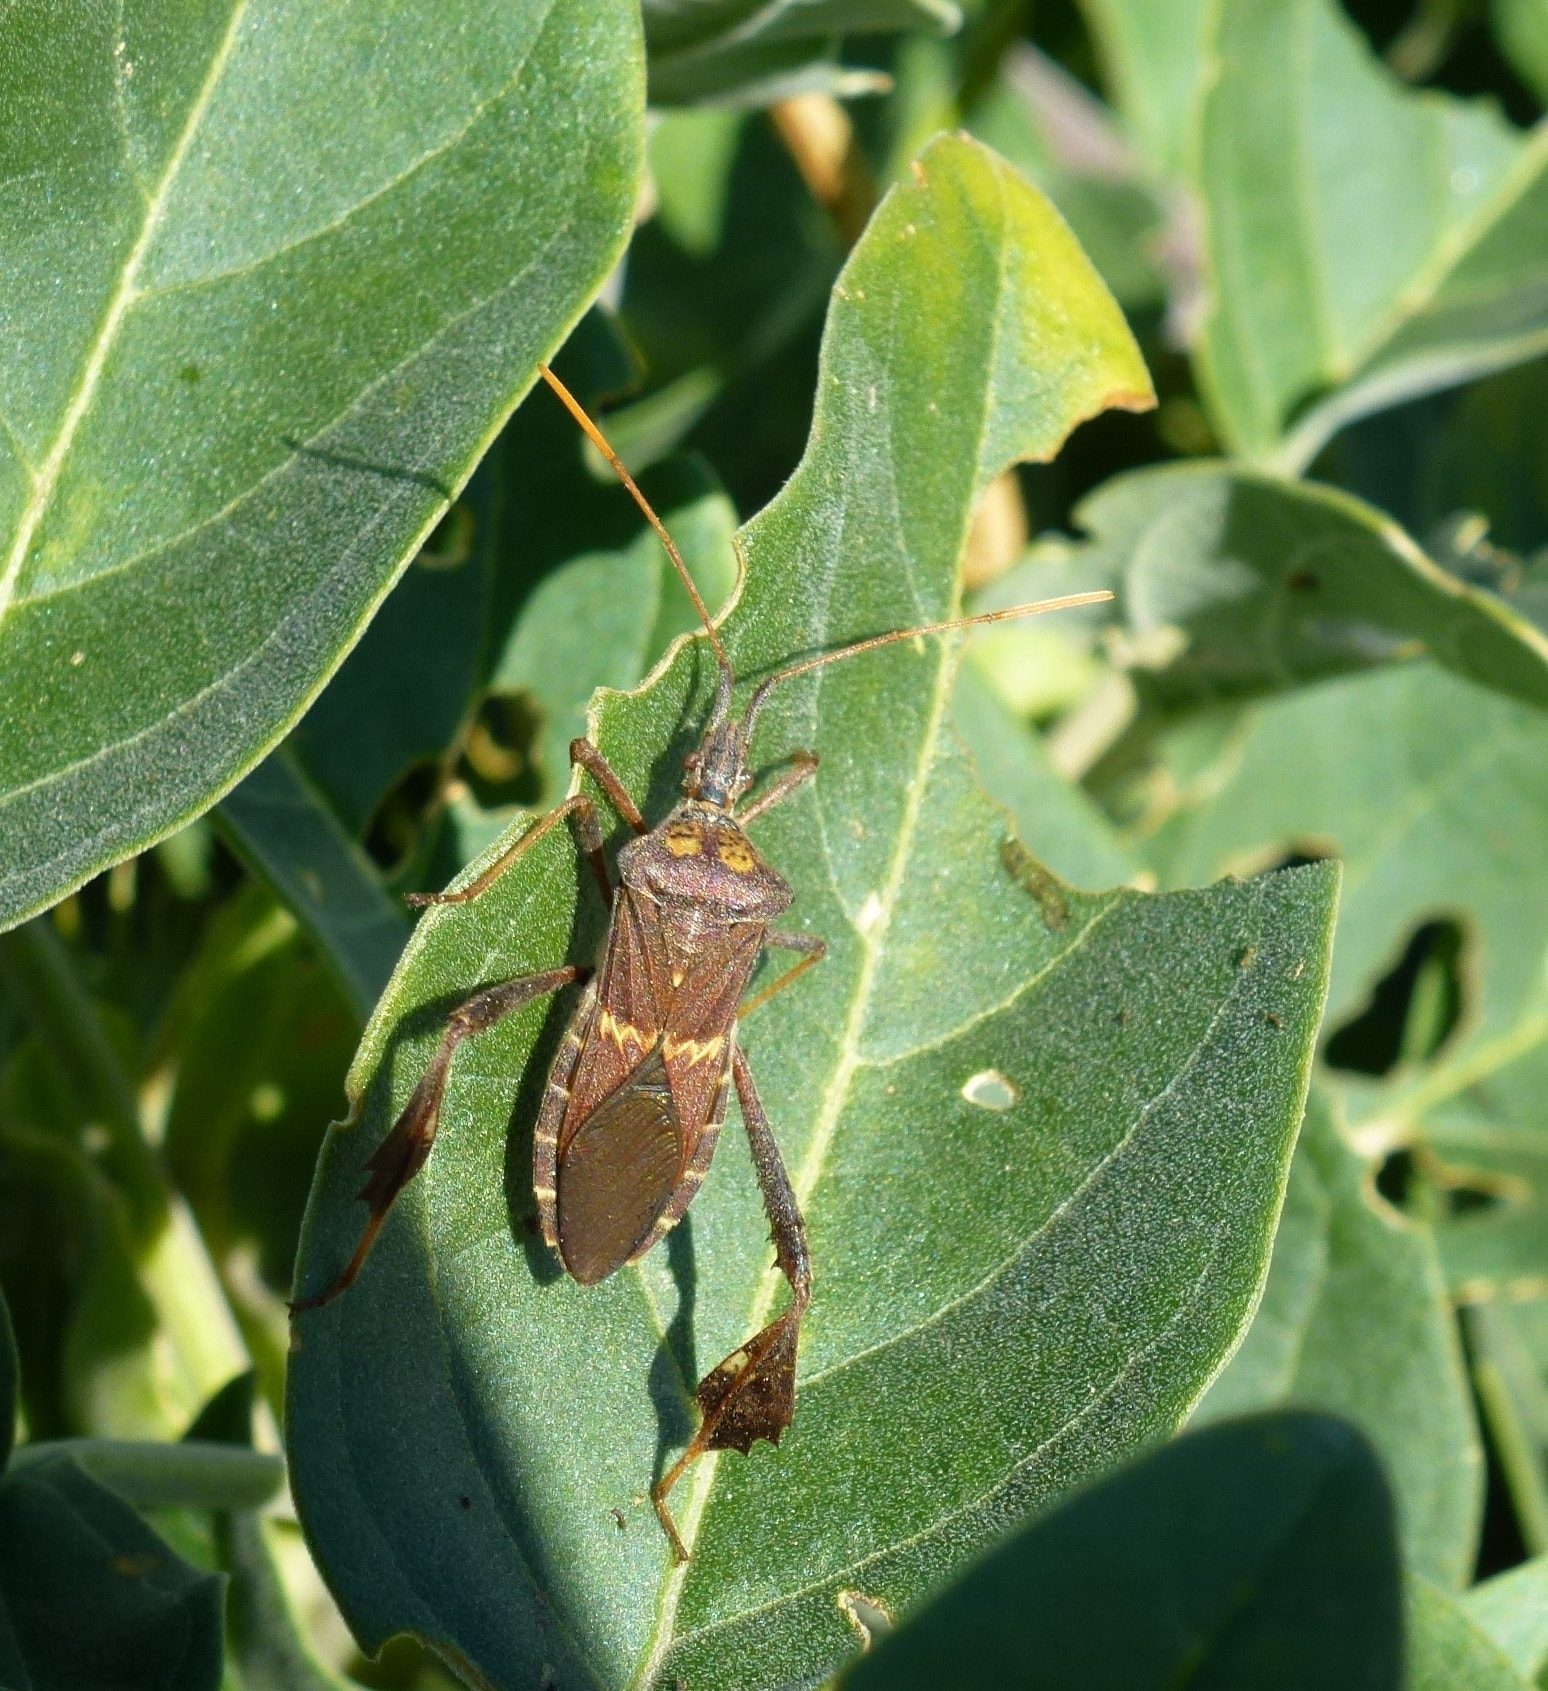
x=625 y=1025
x=696 y=1041
x=618 y=1173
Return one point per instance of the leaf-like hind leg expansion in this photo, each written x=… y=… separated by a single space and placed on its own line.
x=585 y=814
x=751 y=1395
x=401 y=1155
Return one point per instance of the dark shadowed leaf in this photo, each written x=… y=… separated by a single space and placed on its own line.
x=90 y=1596
x=285 y=832
x=1260 y=1553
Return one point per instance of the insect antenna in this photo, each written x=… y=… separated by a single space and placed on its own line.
x=1065 y=602
x=599 y=440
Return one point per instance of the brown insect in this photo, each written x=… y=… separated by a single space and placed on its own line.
x=638 y=1091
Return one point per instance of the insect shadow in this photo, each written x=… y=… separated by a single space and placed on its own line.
x=675 y=1366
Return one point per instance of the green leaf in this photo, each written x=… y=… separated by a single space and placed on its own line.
x=276 y=279
x=284 y=831
x=1432 y=792
x=1137 y=1035
x=1447 y=1651
x=1512 y=1609
x=1274 y=583
x=749 y=52
x=1367 y=243
x=1260 y=1554
x=1054 y=818
x=1521 y=28
x=1153 y=61
x=267 y=1644
x=192 y=1474
x=1064 y=139
x=1356 y=1321
x=10 y=1385
x=90 y=1596
x=1480 y=450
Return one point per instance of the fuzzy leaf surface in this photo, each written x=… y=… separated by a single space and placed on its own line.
x=272 y=279
x=967 y=330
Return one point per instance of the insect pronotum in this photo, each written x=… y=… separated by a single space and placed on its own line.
x=638 y=1091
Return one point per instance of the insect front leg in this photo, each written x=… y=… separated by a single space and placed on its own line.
x=816 y=949
x=803 y=766
x=401 y=1155
x=587 y=757
x=751 y=1395
x=586 y=825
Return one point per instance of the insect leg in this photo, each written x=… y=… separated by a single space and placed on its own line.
x=751 y=1395
x=803 y=766
x=606 y=777
x=585 y=814
x=816 y=949
x=401 y=1155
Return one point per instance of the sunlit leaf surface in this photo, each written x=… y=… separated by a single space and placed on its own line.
x=271 y=278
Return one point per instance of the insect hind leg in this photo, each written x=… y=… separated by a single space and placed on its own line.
x=751 y=1394
x=401 y=1155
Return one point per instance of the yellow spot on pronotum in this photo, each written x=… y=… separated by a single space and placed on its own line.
x=736 y=854
x=677 y=977
x=686 y=839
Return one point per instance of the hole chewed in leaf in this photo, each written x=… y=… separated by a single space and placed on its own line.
x=1042 y=883
x=990 y=1090
x=499 y=761
x=869 y=1616
x=450 y=543
x=1413 y=1009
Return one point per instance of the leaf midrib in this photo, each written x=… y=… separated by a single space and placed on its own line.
x=47 y=477
x=975 y=1504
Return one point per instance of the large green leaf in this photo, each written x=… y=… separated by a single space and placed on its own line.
x=1448 y=1652
x=1366 y=243
x=1153 y=60
x=272 y=278
x=1521 y=27
x=1273 y=583
x=1355 y=1320
x=1258 y=1554
x=1432 y=792
x=1512 y=1608
x=754 y=52
x=966 y=330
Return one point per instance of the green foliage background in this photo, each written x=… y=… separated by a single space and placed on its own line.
x=305 y=590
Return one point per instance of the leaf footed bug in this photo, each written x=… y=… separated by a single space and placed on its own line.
x=638 y=1091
